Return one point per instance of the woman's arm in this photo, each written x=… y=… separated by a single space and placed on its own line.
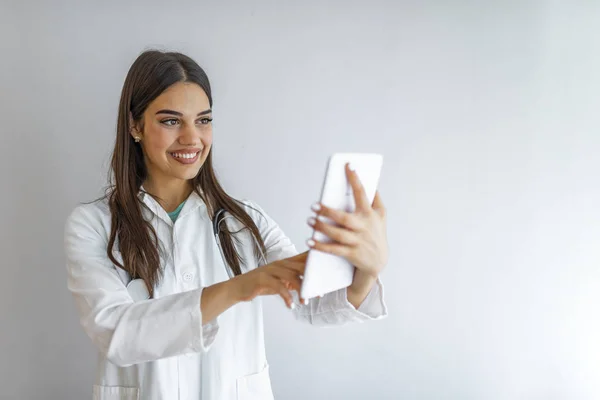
x=360 y=237
x=217 y=299
x=130 y=332
x=126 y=331
x=267 y=280
x=333 y=308
x=361 y=286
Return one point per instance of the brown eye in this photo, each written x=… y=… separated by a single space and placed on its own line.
x=205 y=121
x=169 y=122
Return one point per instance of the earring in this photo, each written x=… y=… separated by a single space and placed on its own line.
x=137 y=139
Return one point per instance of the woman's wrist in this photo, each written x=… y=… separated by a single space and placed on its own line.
x=234 y=293
x=218 y=298
x=363 y=281
x=360 y=288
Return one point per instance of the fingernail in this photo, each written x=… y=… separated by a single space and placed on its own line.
x=316 y=207
x=312 y=221
x=351 y=167
x=293 y=306
x=305 y=301
x=310 y=242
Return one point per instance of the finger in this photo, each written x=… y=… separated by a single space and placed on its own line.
x=279 y=287
x=294 y=273
x=360 y=197
x=331 y=248
x=289 y=276
x=289 y=270
x=378 y=204
x=297 y=266
x=339 y=235
x=290 y=288
x=340 y=217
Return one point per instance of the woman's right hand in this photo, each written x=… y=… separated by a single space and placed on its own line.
x=279 y=278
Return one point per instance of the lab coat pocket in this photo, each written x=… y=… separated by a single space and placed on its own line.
x=115 y=393
x=255 y=386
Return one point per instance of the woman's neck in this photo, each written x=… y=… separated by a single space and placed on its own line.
x=169 y=193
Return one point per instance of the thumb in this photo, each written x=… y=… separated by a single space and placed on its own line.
x=378 y=204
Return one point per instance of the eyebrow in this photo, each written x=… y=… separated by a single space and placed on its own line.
x=171 y=112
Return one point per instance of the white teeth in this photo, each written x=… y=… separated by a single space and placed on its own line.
x=184 y=155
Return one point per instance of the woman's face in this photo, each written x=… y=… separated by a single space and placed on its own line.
x=176 y=133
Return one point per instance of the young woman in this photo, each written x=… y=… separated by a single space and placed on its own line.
x=173 y=309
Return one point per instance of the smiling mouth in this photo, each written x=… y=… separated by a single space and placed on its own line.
x=185 y=156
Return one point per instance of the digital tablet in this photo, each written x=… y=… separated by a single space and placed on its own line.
x=325 y=272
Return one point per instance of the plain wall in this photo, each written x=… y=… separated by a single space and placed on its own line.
x=487 y=115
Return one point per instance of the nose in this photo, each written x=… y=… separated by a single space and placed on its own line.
x=189 y=136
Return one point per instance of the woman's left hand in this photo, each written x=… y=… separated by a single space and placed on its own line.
x=360 y=236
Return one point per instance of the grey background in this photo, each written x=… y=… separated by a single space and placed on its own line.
x=487 y=114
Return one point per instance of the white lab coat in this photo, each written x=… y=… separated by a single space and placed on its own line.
x=158 y=349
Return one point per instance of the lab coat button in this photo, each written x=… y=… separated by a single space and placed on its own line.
x=188 y=276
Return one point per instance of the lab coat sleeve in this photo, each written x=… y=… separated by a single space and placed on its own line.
x=127 y=332
x=331 y=309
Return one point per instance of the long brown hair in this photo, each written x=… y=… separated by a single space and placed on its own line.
x=150 y=75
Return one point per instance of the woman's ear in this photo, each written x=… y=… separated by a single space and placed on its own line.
x=134 y=130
